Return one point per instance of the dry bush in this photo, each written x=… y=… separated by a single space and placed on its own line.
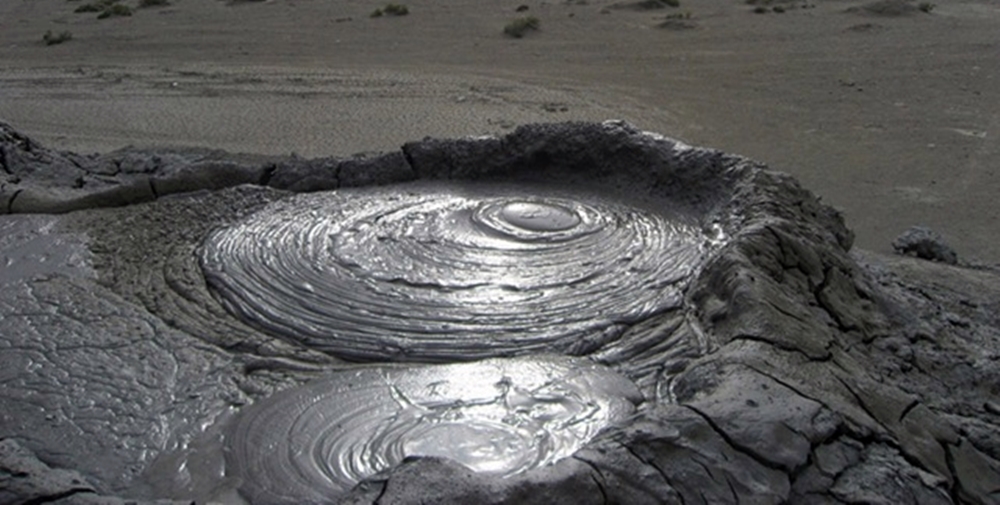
x=521 y=26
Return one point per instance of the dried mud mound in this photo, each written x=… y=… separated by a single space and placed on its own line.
x=726 y=346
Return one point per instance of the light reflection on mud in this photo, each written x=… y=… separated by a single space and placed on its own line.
x=499 y=416
x=29 y=249
x=447 y=273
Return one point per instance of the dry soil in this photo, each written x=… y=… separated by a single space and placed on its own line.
x=891 y=114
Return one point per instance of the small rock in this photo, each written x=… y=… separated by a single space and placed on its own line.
x=926 y=244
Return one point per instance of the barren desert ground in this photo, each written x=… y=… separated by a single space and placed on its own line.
x=890 y=113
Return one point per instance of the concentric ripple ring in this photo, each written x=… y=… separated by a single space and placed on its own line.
x=444 y=273
x=499 y=416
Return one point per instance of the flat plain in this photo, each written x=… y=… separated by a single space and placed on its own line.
x=888 y=112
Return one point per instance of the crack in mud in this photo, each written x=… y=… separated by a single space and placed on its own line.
x=265 y=179
x=3 y=161
x=784 y=347
x=10 y=203
x=732 y=443
x=58 y=497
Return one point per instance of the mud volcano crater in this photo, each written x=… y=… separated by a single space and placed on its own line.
x=523 y=261
x=570 y=313
x=453 y=271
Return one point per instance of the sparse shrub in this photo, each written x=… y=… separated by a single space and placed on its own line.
x=760 y=9
x=52 y=39
x=115 y=10
x=153 y=3
x=521 y=26
x=106 y=8
x=678 y=16
x=89 y=8
x=391 y=10
x=395 y=10
x=779 y=9
x=926 y=7
x=646 y=5
x=891 y=8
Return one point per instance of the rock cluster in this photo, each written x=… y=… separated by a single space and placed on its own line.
x=926 y=244
x=807 y=374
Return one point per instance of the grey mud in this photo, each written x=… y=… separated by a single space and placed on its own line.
x=571 y=313
x=452 y=272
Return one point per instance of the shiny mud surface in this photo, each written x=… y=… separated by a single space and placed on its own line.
x=447 y=272
x=498 y=416
x=29 y=248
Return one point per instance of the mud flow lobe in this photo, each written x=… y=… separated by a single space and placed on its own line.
x=447 y=273
x=499 y=416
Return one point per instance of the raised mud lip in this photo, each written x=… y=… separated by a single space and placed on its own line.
x=788 y=371
x=34 y=179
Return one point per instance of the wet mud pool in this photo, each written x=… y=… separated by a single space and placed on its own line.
x=452 y=273
x=572 y=313
x=500 y=417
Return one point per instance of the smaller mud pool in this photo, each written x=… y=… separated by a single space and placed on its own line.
x=452 y=272
x=499 y=416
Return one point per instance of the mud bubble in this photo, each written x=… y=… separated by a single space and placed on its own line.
x=499 y=416
x=451 y=272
